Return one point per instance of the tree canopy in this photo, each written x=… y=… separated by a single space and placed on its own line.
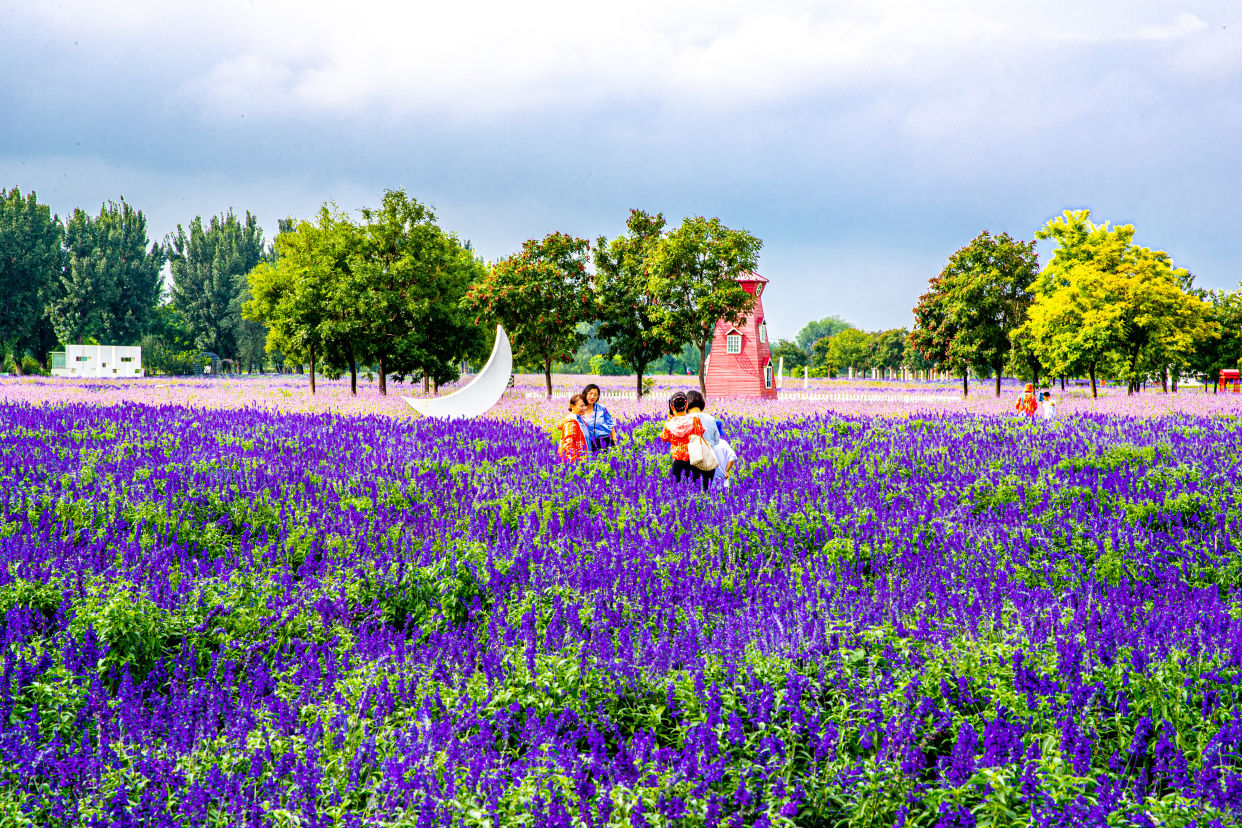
x=694 y=276
x=112 y=282
x=628 y=305
x=1104 y=300
x=970 y=311
x=208 y=264
x=539 y=295
x=32 y=260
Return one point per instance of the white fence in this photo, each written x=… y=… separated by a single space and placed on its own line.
x=564 y=395
x=846 y=396
x=819 y=396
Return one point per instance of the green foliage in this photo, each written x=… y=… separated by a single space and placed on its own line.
x=539 y=295
x=816 y=330
x=628 y=305
x=112 y=281
x=209 y=266
x=1105 y=302
x=849 y=349
x=693 y=276
x=969 y=314
x=31 y=263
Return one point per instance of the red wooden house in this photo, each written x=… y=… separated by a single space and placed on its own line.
x=740 y=364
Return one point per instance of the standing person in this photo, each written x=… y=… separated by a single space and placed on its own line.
x=1027 y=404
x=677 y=433
x=573 y=441
x=1048 y=407
x=695 y=403
x=726 y=457
x=601 y=428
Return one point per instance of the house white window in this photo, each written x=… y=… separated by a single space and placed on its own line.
x=127 y=359
x=767 y=375
x=733 y=344
x=763 y=332
x=758 y=290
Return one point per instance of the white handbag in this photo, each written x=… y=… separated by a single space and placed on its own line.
x=701 y=455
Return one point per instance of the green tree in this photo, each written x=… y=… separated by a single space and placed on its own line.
x=694 y=274
x=1211 y=354
x=112 y=283
x=794 y=356
x=888 y=349
x=849 y=348
x=209 y=266
x=627 y=304
x=820 y=359
x=1104 y=300
x=409 y=278
x=969 y=314
x=291 y=295
x=32 y=260
x=816 y=330
x=539 y=295
x=168 y=347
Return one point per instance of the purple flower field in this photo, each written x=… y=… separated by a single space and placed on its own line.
x=235 y=616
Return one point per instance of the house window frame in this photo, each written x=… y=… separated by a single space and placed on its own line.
x=767 y=374
x=733 y=343
x=763 y=332
x=758 y=289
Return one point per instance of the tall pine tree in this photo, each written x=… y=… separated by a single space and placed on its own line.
x=209 y=266
x=112 y=282
x=31 y=261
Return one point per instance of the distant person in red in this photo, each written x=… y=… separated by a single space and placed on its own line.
x=1028 y=404
x=573 y=444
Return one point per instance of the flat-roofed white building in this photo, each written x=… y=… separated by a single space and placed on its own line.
x=97 y=361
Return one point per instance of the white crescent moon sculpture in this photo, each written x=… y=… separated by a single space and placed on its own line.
x=480 y=394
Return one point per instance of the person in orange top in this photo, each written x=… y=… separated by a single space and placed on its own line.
x=573 y=445
x=1028 y=404
x=677 y=433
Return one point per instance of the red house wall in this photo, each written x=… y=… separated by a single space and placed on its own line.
x=741 y=375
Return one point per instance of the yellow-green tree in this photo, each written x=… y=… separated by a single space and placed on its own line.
x=1104 y=300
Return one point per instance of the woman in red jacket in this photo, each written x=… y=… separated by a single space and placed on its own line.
x=573 y=445
x=677 y=433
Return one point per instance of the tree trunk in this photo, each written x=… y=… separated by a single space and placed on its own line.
x=547 y=376
x=435 y=386
x=1164 y=380
x=639 y=387
x=998 y=379
x=312 y=368
x=965 y=383
x=1094 y=392
x=1177 y=374
x=426 y=383
x=383 y=377
x=353 y=377
x=702 y=372
x=1063 y=383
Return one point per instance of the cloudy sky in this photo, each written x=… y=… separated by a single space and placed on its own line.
x=863 y=142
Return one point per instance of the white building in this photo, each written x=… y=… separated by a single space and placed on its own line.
x=97 y=361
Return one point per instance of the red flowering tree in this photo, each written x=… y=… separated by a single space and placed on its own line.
x=539 y=295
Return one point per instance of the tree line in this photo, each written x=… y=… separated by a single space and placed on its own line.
x=1103 y=307
x=392 y=294
x=97 y=278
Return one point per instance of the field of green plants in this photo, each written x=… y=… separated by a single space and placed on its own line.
x=246 y=617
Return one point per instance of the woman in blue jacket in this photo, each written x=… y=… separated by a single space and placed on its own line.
x=600 y=427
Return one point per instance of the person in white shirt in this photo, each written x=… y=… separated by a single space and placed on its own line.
x=725 y=458
x=1047 y=408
